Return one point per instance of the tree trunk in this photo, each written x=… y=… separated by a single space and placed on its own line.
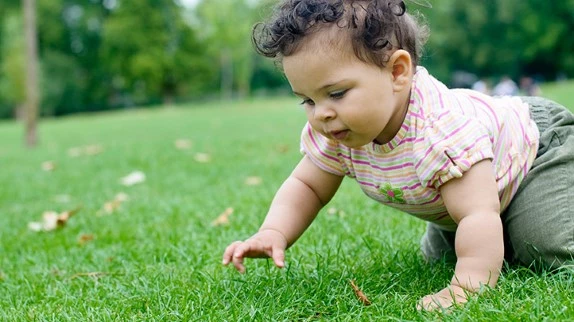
x=168 y=99
x=32 y=90
x=226 y=74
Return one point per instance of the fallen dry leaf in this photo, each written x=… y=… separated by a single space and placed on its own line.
x=183 y=144
x=253 y=181
x=133 y=178
x=48 y=166
x=360 y=295
x=52 y=220
x=111 y=206
x=202 y=157
x=84 y=238
x=223 y=219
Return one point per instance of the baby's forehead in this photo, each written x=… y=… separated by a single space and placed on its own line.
x=325 y=38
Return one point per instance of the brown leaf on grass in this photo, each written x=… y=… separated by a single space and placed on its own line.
x=66 y=215
x=183 y=144
x=223 y=218
x=48 y=166
x=202 y=157
x=111 y=206
x=85 y=238
x=253 y=181
x=360 y=295
x=52 y=220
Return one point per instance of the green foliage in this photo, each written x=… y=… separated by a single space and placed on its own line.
x=227 y=35
x=63 y=87
x=101 y=54
x=70 y=36
x=12 y=65
x=496 y=37
x=147 y=45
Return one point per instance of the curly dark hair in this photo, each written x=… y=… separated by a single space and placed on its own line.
x=375 y=28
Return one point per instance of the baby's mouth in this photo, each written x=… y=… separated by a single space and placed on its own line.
x=339 y=135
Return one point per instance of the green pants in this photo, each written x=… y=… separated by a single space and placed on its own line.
x=539 y=222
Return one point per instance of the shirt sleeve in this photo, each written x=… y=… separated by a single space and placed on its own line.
x=323 y=152
x=448 y=145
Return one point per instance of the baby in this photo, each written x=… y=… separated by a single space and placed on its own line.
x=491 y=175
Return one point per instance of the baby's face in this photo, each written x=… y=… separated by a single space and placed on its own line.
x=345 y=99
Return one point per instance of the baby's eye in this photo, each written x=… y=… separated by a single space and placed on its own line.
x=338 y=94
x=308 y=102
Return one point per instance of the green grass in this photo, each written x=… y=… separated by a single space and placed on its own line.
x=562 y=92
x=160 y=256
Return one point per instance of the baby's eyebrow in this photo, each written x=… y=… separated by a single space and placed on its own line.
x=323 y=87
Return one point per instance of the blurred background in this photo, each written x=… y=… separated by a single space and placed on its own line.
x=96 y=55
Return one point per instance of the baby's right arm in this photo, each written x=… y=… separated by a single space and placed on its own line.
x=293 y=209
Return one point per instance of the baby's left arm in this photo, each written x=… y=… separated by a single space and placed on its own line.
x=472 y=201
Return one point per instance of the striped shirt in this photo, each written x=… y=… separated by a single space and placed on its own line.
x=444 y=133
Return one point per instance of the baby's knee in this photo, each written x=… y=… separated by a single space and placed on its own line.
x=549 y=251
x=437 y=245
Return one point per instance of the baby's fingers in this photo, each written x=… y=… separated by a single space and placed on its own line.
x=278 y=256
x=228 y=253
x=240 y=251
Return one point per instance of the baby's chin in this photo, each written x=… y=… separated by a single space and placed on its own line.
x=350 y=144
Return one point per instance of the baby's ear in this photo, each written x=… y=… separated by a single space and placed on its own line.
x=402 y=69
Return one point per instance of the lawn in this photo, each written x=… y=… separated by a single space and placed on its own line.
x=157 y=255
x=562 y=92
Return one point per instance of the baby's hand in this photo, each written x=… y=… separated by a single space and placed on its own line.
x=266 y=243
x=443 y=299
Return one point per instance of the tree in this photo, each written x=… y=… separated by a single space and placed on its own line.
x=150 y=50
x=226 y=29
x=73 y=77
x=498 y=37
x=32 y=90
x=12 y=65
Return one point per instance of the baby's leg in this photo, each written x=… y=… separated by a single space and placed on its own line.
x=539 y=222
x=437 y=244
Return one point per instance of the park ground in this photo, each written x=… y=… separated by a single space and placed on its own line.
x=150 y=249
